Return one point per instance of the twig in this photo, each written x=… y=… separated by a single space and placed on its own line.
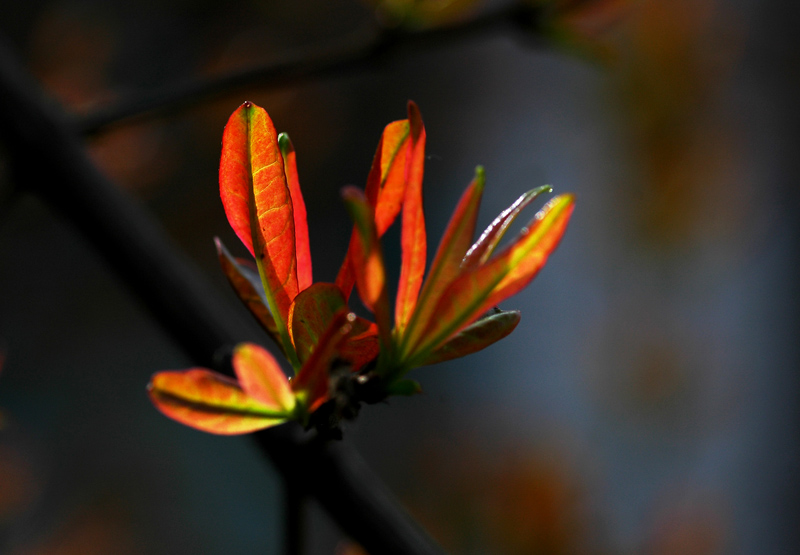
x=48 y=157
x=359 y=51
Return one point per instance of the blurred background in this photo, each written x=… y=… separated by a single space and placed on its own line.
x=646 y=404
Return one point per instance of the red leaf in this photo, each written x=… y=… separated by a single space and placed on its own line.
x=312 y=382
x=258 y=204
x=483 y=248
x=386 y=185
x=312 y=312
x=447 y=262
x=368 y=266
x=243 y=277
x=209 y=402
x=413 y=239
x=476 y=337
x=261 y=377
x=303 y=249
x=474 y=292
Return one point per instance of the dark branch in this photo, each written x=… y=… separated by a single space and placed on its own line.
x=365 y=49
x=47 y=156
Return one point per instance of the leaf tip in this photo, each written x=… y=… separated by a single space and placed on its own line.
x=285 y=144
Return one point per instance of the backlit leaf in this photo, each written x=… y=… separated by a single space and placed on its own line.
x=474 y=292
x=303 y=249
x=386 y=185
x=483 y=248
x=447 y=262
x=368 y=265
x=261 y=377
x=530 y=253
x=312 y=382
x=209 y=402
x=258 y=204
x=311 y=315
x=413 y=238
x=476 y=337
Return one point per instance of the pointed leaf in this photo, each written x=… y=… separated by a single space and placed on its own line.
x=258 y=204
x=303 y=249
x=312 y=383
x=474 y=292
x=368 y=265
x=243 y=277
x=530 y=253
x=413 y=238
x=386 y=185
x=476 y=337
x=447 y=262
x=483 y=248
x=311 y=315
x=261 y=377
x=209 y=402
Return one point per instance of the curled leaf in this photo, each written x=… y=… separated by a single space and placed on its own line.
x=368 y=265
x=483 y=248
x=413 y=238
x=303 y=248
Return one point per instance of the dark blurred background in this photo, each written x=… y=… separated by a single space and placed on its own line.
x=646 y=404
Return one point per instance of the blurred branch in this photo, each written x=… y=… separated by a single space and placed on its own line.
x=47 y=156
x=366 y=48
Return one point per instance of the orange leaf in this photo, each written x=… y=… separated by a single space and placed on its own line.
x=303 y=249
x=386 y=185
x=258 y=204
x=413 y=239
x=261 y=377
x=311 y=314
x=368 y=266
x=530 y=253
x=243 y=277
x=312 y=381
x=447 y=262
x=483 y=248
x=209 y=402
x=474 y=292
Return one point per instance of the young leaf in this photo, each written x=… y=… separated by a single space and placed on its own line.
x=483 y=248
x=303 y=249
x=209 y=402
x=530 y=253
x=311 y=314
x=362 y=346
x=413 y=238
x=261 y=377
x=386 y=185
x=312 y=382
x=476 y=337
x=447 y=262
x=243 y=277
x=368 y=265
x=258 y=204
x=474 y=292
